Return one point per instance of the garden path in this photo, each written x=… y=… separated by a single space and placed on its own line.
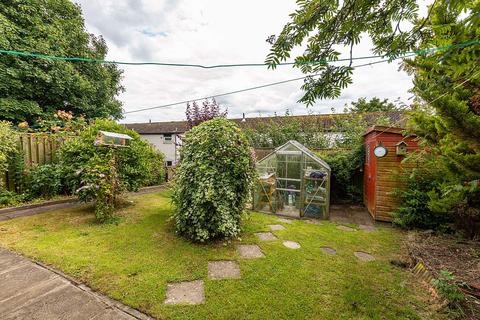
x=32 y=291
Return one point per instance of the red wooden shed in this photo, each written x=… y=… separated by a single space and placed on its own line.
x=385 y=148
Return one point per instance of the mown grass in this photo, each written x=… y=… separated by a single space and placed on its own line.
x=134 y=260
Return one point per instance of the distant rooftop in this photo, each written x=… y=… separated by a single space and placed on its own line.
x=324 y=121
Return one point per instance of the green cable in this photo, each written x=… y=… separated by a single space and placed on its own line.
x=423 y=51
x=256 y=87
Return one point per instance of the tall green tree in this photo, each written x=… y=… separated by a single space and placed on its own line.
x=373 y=105
x=33 y=88
x=447 y=87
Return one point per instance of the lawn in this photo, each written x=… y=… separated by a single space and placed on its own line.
x=134 y=260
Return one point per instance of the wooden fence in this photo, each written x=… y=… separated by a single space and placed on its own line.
x=37 y=148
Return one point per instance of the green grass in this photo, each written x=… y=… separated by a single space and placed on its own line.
x=134 y=260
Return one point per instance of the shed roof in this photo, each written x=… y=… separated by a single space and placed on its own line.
x=383 y=129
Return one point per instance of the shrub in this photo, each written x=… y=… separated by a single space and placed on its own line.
x=155 y=167
x=413 y=211
x=44 y=180
x=101 y=173
x=135 y=164
x=100 y=183
x=346 y=183
x=213 y=181
x=8 y=146
x=9 y=198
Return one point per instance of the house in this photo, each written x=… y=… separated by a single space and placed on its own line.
x=166 y=136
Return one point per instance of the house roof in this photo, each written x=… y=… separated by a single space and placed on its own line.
x=325 y=121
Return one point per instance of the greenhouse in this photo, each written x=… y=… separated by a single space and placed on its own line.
x=293 y=182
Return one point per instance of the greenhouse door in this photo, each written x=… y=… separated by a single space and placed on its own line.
x=289 y=179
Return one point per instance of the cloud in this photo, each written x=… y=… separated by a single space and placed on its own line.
x=151 y=33
x=215 y=32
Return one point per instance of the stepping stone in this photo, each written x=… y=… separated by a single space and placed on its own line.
x=218 y=270
x=266 y=236
x=291 y=244
x=329 y=250
x=274 y=227
x=363 y=256
x=365 y=227
x=188 y=292
x=313 y=221
x=345 y=228
x=289 y=221
x=250 y=251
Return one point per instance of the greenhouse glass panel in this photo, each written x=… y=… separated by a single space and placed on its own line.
x=293 y=182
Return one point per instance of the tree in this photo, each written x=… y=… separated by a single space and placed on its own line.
x=374 y=105
x=209 y=110
x=32 y=88
x=447 y=117
x=321 y=26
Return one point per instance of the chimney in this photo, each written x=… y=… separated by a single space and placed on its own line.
x=149 y=120
x=243 y=117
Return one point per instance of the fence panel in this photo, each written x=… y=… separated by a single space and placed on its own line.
x=37 y=148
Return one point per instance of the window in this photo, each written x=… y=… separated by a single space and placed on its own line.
x=169 y=163
x=167 y=138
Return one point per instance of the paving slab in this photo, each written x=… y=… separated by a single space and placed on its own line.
x=274 y=227
x=218 y=270
x=9 y=260
x=22 y=279
x=289 y=221
x=188 y=292
x=291 y=244
x=363 y=256
x=313 y=221
x=266 y=236
x=67 y=302
x=250 y=251
x=345 y=228
x=329 y=250
x=350 y=214
x=32 y=291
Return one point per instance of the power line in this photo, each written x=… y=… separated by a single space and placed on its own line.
x=390 y=55
x=253 y=88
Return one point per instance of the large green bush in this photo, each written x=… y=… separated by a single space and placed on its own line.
x=135 y=164
x=87 y=169
x=44 y=180
x=8 y=146
x=213 y=181
x=413 y=211
x=347 y=183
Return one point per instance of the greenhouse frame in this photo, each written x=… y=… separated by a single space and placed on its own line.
x=293 y=182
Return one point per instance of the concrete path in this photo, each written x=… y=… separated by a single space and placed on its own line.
x=31 y=291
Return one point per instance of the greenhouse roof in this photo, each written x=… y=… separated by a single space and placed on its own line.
x=302 y=148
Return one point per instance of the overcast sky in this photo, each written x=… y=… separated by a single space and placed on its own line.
x=215 y=32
